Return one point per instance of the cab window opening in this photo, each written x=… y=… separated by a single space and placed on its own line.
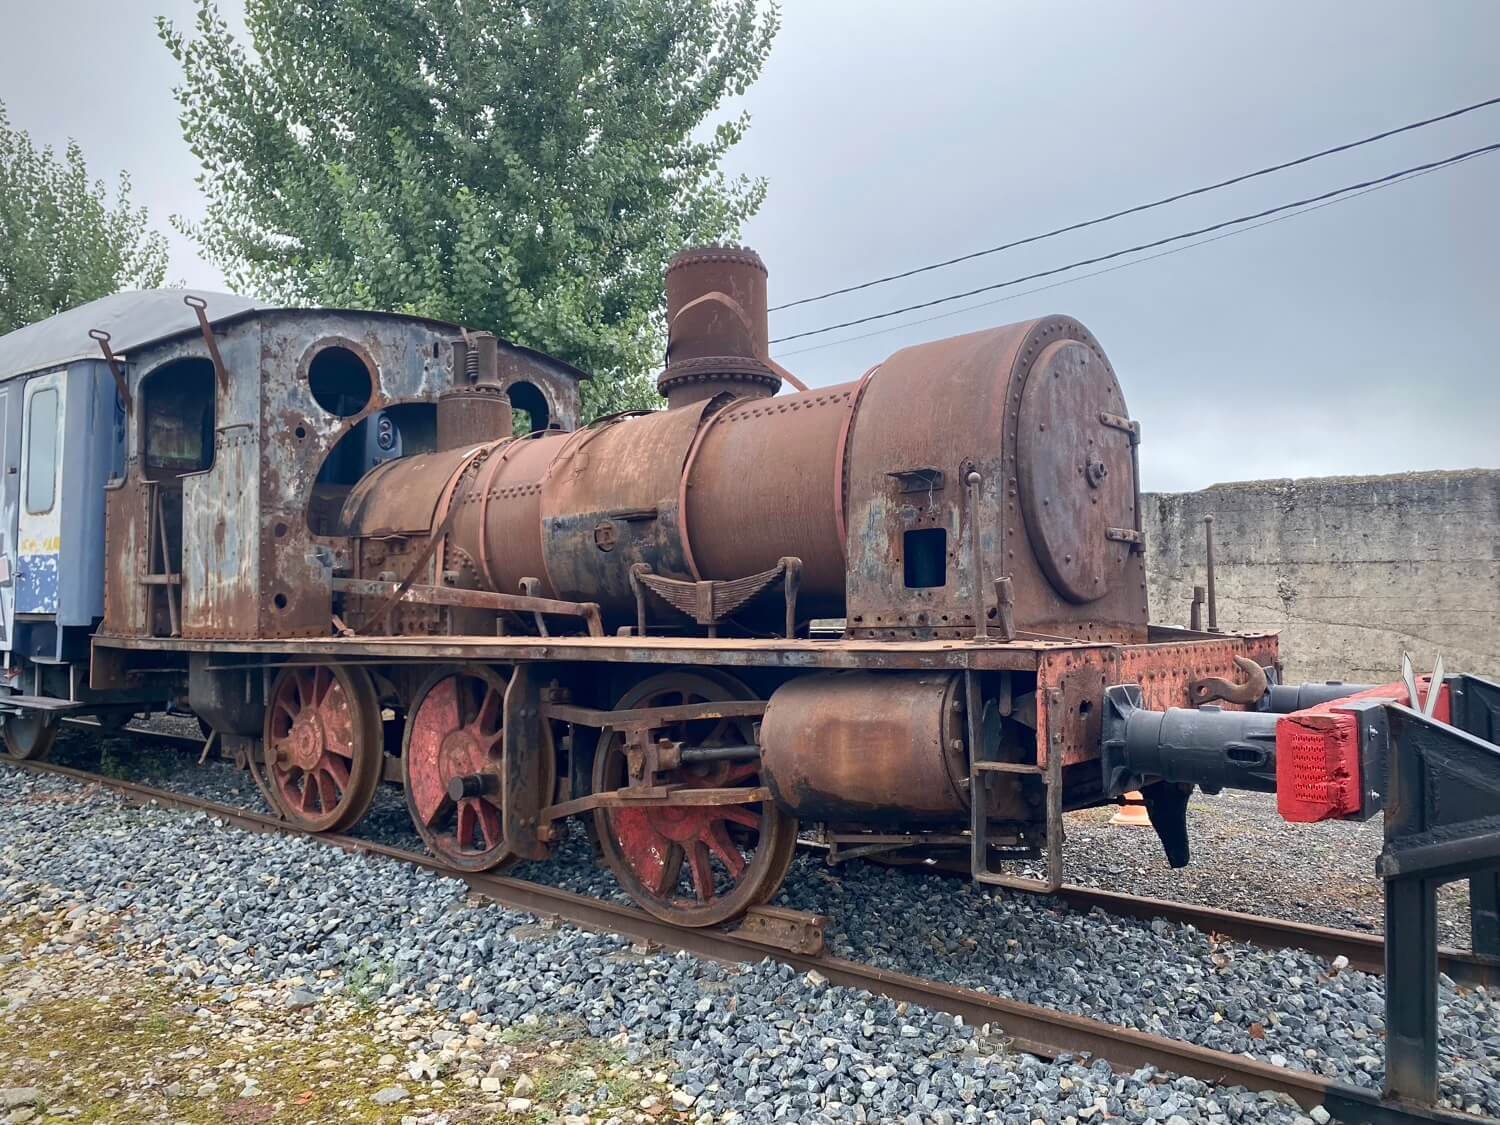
x=528 y=408
x=177 y=419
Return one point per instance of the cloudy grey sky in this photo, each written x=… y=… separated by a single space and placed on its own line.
x=1348 y=340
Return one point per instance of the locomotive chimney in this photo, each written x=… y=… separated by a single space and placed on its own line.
x=717 y=327
x=475 y=408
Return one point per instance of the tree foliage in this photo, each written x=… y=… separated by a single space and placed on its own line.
x=522 y=166
x=62 y=240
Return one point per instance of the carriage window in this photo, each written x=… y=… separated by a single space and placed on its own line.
x=177 y=412
x=41 y=452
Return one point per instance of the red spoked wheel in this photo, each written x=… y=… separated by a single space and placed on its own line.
x=694 y=866
x=453 y=763
x=324 y=756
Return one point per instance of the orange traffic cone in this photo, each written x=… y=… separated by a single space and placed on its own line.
x=1132 y=812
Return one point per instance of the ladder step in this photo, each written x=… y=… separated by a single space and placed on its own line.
x=1008 y=767
x=14 y=703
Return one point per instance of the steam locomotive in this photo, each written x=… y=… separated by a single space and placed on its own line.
x=910 y=608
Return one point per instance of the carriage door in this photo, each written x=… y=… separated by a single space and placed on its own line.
x=40 y=537
x=10 y=499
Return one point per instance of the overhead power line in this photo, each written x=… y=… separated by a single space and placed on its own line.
x=1117 y=266
x=1347 y=189
x=1141 y=206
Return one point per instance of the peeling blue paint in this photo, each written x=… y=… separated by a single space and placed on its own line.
x=37 y=584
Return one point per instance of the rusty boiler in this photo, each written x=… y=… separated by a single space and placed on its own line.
x=1000 y=464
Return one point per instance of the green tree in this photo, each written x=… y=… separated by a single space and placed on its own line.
x=62 y=241
x=522 y=166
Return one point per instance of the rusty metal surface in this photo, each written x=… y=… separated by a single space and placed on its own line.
x=1069 y=703
x=454 y=733
x=1244 y=692
x=1167 y=667
x=928 y=418
x=710 y=603
x=495 y=533
x=868 y=748
x=781 y=928
x=323 y=747
x=1075 y=477
x=255 y=559
x=221 y=579
x=499 y=521
x=486 y=370
x=1071 y=682
x=470 y=415
x=717 y=327
x=402 y=363
x=699 y=864
x=763 y=481
x=398 y=498
x=731 y=652
x=116 y=372
x=610 y=501
x=472 y=599
x=125 y=522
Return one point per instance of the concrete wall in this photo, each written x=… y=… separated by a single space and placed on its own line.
x=1351 y=570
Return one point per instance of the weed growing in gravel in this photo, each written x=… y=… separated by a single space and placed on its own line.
x=575 y=1067
x=125 y=760
x=366 y=981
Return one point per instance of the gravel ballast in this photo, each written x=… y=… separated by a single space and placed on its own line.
x=222 y=908
x=1287 y=1008
x=1322 y=874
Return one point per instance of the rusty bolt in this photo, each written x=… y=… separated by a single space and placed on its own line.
x=605 y=536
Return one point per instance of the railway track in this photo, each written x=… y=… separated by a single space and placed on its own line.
x=1365 y=952
x=1040 y=1031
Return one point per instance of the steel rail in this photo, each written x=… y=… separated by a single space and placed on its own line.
x=1036 y=1030
x=1365 y=952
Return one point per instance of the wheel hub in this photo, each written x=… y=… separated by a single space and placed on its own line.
x=682 y=823
x=460 y=756
x=679 y=825
x=305 y=743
